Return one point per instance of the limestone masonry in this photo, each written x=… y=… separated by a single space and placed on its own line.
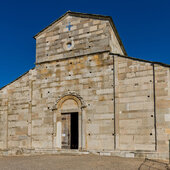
x=86 y=94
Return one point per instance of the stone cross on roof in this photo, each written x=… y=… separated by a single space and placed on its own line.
x=69 y=26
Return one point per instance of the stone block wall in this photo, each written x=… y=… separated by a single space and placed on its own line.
x=3 y=118
x=89 y=76
x=133 y=116
x=27 y=103
x=86 y=36
x=126 y=100
x=134 y=104
x=162 y=90
x=15 y=101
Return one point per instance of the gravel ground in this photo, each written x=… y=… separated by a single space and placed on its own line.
x=68 y=162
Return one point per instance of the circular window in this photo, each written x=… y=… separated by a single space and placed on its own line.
x=68 y=45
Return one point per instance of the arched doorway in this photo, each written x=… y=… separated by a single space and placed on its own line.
x=70 y=130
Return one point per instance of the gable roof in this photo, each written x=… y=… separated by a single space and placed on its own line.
x=93 y=16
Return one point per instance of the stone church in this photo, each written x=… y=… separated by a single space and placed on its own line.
x=85 y=95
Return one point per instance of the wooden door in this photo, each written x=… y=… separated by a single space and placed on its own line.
x=66 y=131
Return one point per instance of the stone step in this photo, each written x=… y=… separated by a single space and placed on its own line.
x=61 y=152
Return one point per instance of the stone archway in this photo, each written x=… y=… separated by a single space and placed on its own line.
x=66 y=108
x=70 y=94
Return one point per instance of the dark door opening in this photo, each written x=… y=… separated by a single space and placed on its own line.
x=70 y=133
x=74 y=131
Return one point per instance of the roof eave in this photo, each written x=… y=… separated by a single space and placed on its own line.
x=141 y=60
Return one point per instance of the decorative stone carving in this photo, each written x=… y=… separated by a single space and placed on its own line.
x=70 y=93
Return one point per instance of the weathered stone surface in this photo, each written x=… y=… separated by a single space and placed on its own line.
x=123 y=104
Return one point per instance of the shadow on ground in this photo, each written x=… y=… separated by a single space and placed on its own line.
x=149 y=164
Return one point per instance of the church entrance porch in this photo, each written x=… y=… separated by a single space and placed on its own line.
x=69 y=130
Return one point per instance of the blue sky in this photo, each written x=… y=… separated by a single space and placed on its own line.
x=143 y=25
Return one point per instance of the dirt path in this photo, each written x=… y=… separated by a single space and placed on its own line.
x=68 y=162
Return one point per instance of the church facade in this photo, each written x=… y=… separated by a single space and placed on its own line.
x=86 y=94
